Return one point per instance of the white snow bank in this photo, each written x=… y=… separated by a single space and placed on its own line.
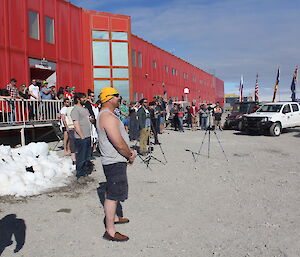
x=50 y=170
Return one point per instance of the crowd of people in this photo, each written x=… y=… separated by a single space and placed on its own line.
x=37 y=92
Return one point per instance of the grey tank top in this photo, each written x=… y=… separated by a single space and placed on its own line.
x=109 y=154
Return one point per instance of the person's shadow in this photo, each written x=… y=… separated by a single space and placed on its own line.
x=9 y=226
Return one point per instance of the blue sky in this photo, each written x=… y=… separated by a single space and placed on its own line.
x=228 y=37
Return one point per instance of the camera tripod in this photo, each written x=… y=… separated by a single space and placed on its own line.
x=207 y=131
x=150 y=156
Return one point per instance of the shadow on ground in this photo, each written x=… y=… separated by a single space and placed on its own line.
x=11 y=226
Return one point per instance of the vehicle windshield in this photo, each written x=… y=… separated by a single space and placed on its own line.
x=270 y=108
x=242 y=108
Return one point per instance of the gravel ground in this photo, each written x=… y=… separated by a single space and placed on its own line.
x=248 y=206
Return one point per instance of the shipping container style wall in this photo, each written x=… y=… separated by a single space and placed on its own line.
x=90 y=50
x=18 y=43
x=157 y=72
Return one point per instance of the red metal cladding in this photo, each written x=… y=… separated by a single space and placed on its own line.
x=72 y=52
x=165 y=74
x=17 y=46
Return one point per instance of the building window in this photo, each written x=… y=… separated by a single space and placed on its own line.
x=185 y=75
x=119 y=54
x=123 y=88
x=99 y=84
x=120 y=73
x=154 y=64
x=166 y=69
x=135 y=96
x=100 y=73
x=140 y=60
x=173 y=71
x=101 y=53
x=100 y=35
x=133 y=53
x=194 y=79
x=49 y=28
x=34 y=25
x=119 y=36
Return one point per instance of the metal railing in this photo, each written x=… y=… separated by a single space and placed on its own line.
x=22 y=111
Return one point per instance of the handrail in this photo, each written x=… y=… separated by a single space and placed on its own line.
x=21 y=111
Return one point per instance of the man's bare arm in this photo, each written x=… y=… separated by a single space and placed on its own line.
x=78 y=129
x=111 y=126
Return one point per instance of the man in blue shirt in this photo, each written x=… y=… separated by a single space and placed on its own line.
x=45 y=92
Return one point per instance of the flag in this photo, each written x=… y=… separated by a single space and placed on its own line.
x=241 y=88
x=293 y=85
x=256 y=89
x=276 y=84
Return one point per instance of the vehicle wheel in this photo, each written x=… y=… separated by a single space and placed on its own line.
x=275 y=129
x=240 y=126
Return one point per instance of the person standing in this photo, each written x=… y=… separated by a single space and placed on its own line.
x=64 y=126
x=194 y=114
x=204 y=115
x=218 y=115
x=144 y=125
x=154 y=115
x=14 y=93
x=115 y=153
x=133 y=121
x=80 y=117
x=180 y=117
x=124 y=114
x=35 y=96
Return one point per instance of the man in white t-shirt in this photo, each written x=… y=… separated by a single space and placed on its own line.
x=34 y=92
x=64 y=125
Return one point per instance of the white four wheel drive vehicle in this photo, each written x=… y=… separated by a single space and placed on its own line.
x=272 y=118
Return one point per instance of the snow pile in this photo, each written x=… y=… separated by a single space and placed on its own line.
x=32 y=169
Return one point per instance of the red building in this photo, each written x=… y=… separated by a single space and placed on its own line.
x=67 y=45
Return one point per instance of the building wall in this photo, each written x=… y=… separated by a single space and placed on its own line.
x=16 y=46
x=72 y=51
x=149 y=81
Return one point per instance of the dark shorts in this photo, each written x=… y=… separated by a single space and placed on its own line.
x=72 y=140
x=117 y=184
x=217 y=117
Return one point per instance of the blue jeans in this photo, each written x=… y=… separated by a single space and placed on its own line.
x=204 y=123
x=83 y=154
x=180 y=123
x=12 y=114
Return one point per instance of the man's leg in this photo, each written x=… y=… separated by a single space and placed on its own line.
x=143 y=141
x=79 y=157
x=110 y=207
x=66 y=141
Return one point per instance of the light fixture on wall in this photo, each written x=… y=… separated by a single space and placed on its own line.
x=146 y=75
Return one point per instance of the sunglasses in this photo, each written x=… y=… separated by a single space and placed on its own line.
x=116 y=95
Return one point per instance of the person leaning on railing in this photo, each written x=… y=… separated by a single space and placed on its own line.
x=14 y=93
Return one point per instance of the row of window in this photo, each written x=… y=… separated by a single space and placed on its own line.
x=34 y=27
x=166 y=68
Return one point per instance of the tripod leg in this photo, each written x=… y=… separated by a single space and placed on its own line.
x=56 y=145
x=220 y=145
x=208 y=150
x=163 y=153
x=198 y=153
